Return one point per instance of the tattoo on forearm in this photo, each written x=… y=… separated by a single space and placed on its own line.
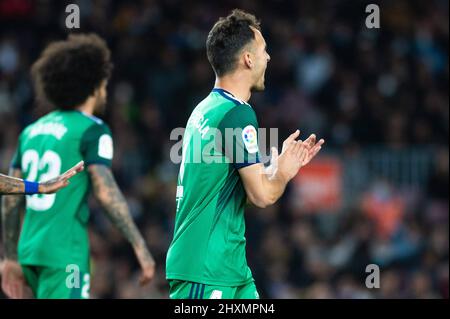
x=12 y=206
x=111 y=198
x=11 y=185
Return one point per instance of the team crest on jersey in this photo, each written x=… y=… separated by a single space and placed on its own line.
x=250 y=139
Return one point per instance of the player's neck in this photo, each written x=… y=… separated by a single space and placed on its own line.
x=87 y=107
x=234 y=85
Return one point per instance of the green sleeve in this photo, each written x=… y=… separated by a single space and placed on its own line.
x=239 y=136
x=97 y=145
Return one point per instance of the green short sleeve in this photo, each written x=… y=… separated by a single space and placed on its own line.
x=97 y=145
x=239 y=136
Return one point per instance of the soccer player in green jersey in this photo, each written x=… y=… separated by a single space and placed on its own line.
x=53 y=248
x=11 y=185
x=206 y=258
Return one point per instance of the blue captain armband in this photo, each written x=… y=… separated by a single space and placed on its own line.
x=31 y=188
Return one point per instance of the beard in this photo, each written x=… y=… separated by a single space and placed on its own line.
x=259 y=85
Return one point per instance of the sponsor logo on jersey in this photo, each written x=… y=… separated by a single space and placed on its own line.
x=250 y=139
x=216 y=294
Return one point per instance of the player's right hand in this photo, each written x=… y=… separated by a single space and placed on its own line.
x=13 y=281
x=292 y=156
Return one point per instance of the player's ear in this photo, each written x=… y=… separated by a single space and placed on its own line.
x=248 y=61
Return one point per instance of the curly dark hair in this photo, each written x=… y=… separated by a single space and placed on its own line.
x=69 y=71
x=227 y=38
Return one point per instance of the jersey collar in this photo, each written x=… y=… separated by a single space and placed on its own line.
x=229 y=96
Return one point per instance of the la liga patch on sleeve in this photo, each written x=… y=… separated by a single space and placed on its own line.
x=250 y=139
x=105 y=147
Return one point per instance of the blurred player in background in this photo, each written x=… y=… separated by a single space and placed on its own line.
x=12 y=185
x=16 y=186
x=72 y=76
x=206 y=258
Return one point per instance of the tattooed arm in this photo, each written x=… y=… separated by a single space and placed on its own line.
x=112 y=200
x=13 y=281
x=11 y=208
x=11 y=185
x=14 y=185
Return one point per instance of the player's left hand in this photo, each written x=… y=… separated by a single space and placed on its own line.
x=312 y=147
x=55 y=184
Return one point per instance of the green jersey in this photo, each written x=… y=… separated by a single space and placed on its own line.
x=208 y=245
x=54 y=231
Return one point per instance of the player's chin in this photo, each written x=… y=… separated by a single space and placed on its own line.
x=258 y=87
x=100 y=110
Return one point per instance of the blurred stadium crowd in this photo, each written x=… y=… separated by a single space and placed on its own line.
x=359 y=88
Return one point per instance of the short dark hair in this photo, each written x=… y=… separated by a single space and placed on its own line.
x=69 y=71
x=227 y=38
